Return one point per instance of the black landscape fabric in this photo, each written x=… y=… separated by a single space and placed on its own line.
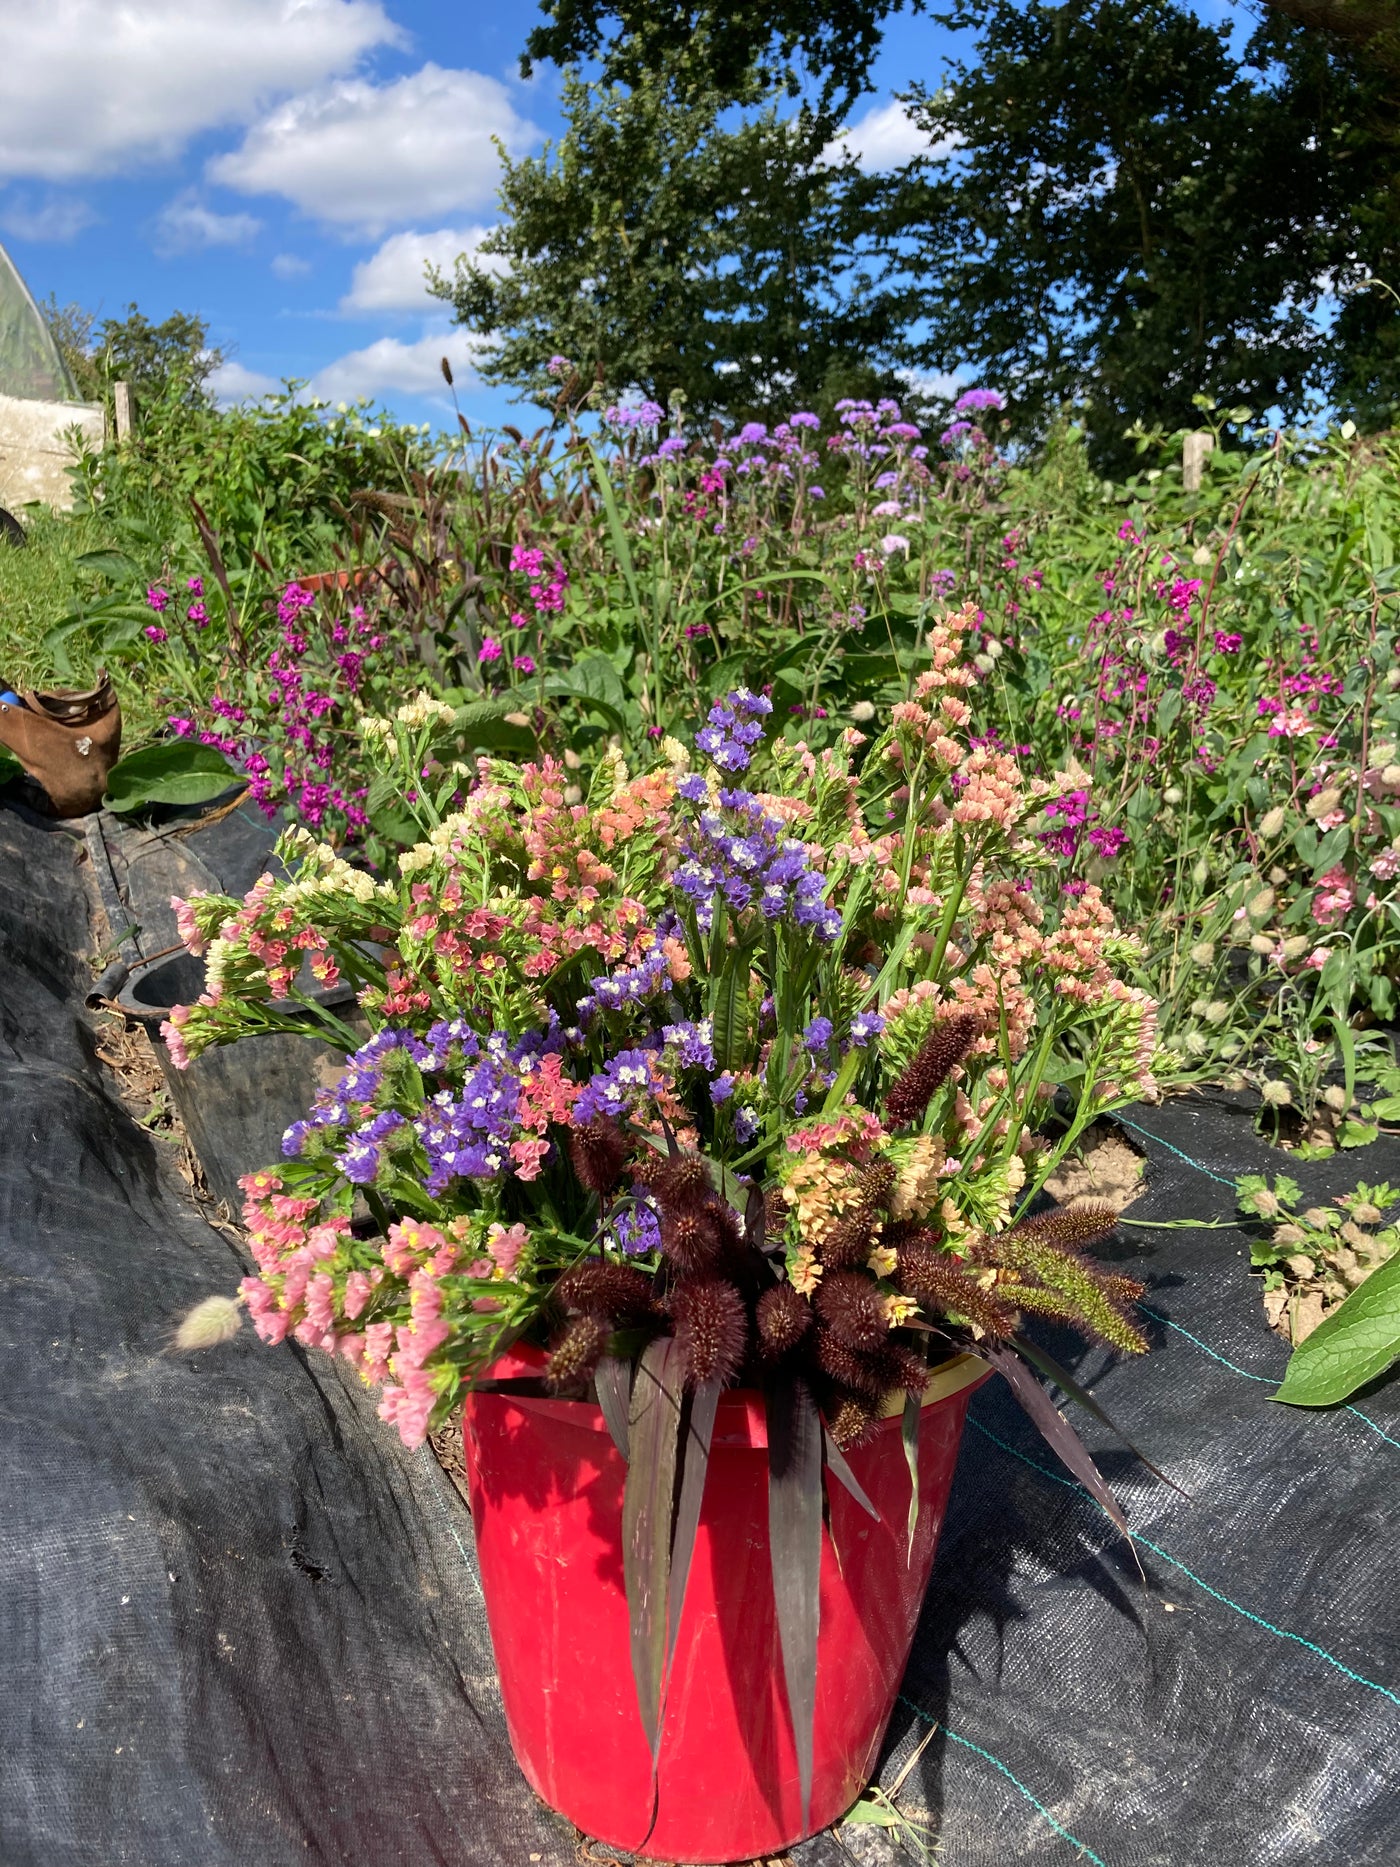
x=241 y=1624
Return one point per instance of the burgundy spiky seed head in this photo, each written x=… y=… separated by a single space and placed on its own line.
x=847 y=1365
x=689 y=1242
x=847 y=1244
x=783 y=1317
x=850 y=1419
x=577 y=1352
x=598 y=1150
x=712 y=1330
x=612 y=1292
x=933 y=1278
x=930 y=1067
x=850 y=1304
x=681 y=1183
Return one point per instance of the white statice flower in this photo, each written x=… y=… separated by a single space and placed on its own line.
x=425 y=709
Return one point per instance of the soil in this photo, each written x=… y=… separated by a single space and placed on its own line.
x=1104 y=1166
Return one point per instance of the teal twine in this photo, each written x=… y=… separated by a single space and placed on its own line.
x=1248 y=1614
x=1269 y=1380
x=1086 y=1853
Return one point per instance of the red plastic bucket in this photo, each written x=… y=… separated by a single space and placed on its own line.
x=546 y=1493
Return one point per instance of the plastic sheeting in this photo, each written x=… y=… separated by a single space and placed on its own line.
x=241 y=1625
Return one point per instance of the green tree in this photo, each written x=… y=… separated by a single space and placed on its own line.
x=725 y=42
x=172 y=359
x=661 y=250
x=1126 y=216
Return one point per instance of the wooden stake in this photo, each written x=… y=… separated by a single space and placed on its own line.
x=1193 y=459
x=121 y=407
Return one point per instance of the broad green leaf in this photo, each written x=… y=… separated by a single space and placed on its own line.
x=114 y=564
x=1350 y=1347
x=177 y=772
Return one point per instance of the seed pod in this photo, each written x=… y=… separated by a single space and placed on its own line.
x=613 y=1293
x=598 y=1150
x=689 y=1241
x=902 y=1368
x=848 y=1366
x=877 y=1183
x=847 y=1244
x=850 y=1420
x=681 y=1183
x=577 y=1352
x=934 y=1279
x=941 y=1051
x=783 y=1318
x=712 y=1330
x=851 y=1307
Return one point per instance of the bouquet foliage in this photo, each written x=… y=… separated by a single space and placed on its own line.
x=743 y=1084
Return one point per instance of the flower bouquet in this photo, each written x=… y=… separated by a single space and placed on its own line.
x=699 y=1119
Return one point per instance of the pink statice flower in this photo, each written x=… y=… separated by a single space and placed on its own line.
x=1334 y=899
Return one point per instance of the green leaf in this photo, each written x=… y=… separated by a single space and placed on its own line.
x=909 y=1434
x=114 y=564
x=1331 y=849
x=177 y=772
x=594 y=682
x=10 y=766
x=795 y=1550
x=874 y=1814
x=647 y=1502
x=1350 y=1347
x=695 y=1463
x=483 y=723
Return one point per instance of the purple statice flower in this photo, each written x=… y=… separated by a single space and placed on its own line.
x=624 y=1080
x=864 y=1026
x=636 y=1229
x=979 y=398
x=468 y=1135
x=734 y=729
x=631 y=984
x=817 y=1035
x=741 y=853
x=692 y=1042
x=745 y=1126
x=722 y=1088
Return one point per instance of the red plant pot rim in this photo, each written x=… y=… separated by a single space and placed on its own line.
x=741 y=1419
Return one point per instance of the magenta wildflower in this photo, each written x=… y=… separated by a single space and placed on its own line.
x=490 y=650
x=157 y=599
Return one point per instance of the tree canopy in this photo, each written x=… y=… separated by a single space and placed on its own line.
x=1128 y=216
x=664 y=250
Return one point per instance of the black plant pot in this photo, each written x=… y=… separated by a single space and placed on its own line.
x=236 y=1100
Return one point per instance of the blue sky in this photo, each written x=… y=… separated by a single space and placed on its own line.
x=282 y=167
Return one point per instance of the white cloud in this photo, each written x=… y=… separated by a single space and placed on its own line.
x=885 y=138
x=390 y=367
x=185 y=225
x=233 y=382
x=290 y=266
x=88 y=85
x=363 y=156
x=58 y=217
x=392 y=279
